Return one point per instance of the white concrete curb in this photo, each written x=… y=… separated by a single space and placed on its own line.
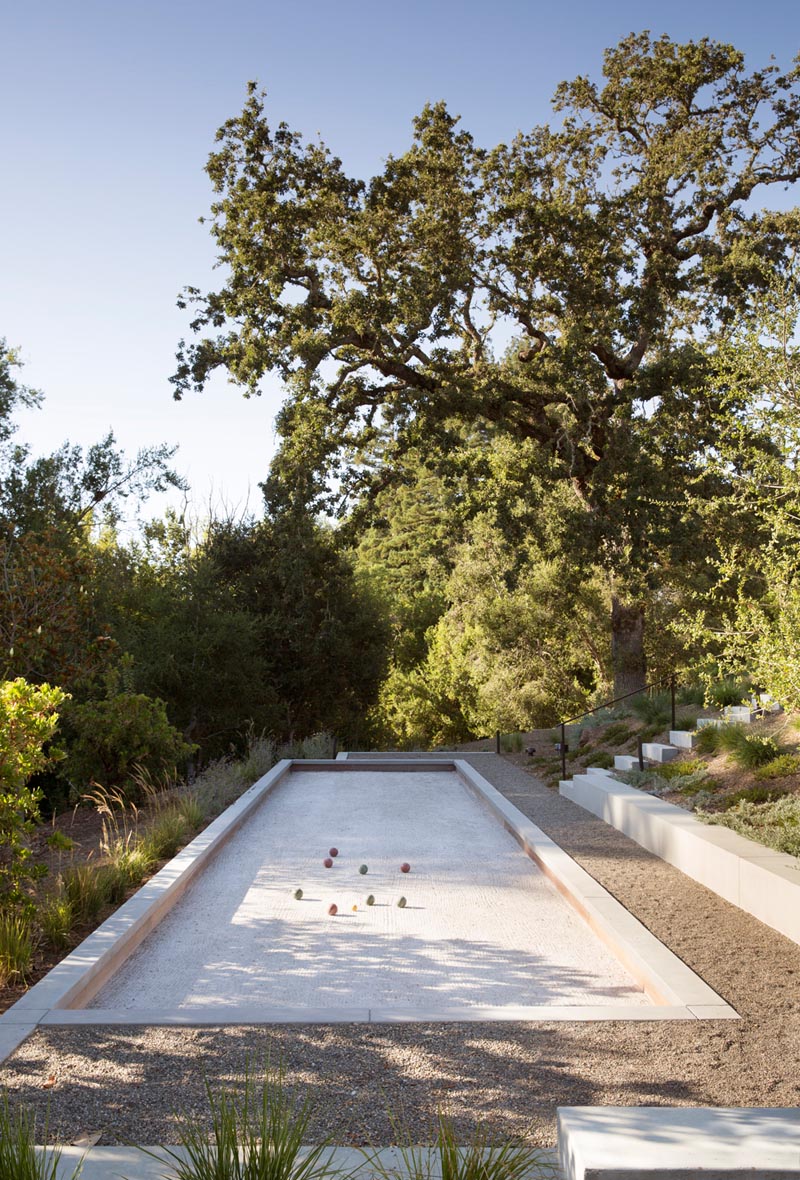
x=758 y=880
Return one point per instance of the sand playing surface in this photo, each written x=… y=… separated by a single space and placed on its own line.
x=482 y=927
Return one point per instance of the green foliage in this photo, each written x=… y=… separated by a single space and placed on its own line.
x=709 y=739
x=682 y=768
x=113 y=739
x=482 y=1158
x=55 y=917
x=511 y=743
x=781 y=767
x=727 y=692
x=16 y=946
x=654 y=708
x=28 y=721
x=776 y=824
x=166 y=834
x=85 y=888
x=618 y=733
x=754 y=794
x=691 y=694
x=19 y=1158
x=59 y=840
x=747 y=750
x=258 y=1133
x=600 y=758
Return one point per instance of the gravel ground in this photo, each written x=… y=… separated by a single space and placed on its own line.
x=126 y=1083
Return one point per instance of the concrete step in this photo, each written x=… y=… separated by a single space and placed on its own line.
x=740 y=714
x=658 y=752
x=722 y=1143
x=684 y=739
x=626 y=762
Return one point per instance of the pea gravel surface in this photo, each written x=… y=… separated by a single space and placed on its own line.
x=128 y=1084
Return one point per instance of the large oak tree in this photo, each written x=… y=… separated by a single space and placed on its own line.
x=609 y=246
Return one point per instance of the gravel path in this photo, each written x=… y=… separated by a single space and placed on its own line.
x=126 y=1082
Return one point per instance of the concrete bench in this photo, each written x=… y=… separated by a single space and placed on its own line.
x=716 y=1143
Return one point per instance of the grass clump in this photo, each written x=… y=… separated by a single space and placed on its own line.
x=58 y=840
x=16 y=948
x=55 y=916
x=85 y=890
x=483 y=1158
x=655 y=709
x=780 y=767
x=257 y=1134
x=708 y=739
x=600 y=758
x=19 y=1159
x=683 y=768
x=748 y=751
x=511 y=743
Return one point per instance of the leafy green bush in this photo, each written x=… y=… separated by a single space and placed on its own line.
x=114 y=739
x=780 y=767
x=747 y=750
x=28 y=721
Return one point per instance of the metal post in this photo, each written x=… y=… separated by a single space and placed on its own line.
x=335 y=746
x=672 y=696
x=563 y=750
x=640 y=753
x=497 y=741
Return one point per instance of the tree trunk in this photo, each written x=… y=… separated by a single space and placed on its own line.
x=627 y=646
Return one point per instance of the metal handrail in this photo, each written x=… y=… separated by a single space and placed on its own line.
x=606 y=704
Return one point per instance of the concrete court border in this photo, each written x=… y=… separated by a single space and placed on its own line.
x=61 y=997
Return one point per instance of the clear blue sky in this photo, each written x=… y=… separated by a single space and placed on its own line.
x=108 y=110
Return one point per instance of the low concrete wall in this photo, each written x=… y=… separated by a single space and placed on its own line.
x=759 y=880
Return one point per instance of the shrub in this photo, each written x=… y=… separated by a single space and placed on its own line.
x=746 y=750
x=755 y=794
x=780 y=767
x=691 y=694
x=511 y=743
x=777 y=825
x=16 y=946
x=114 y=739
x=28 y=721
